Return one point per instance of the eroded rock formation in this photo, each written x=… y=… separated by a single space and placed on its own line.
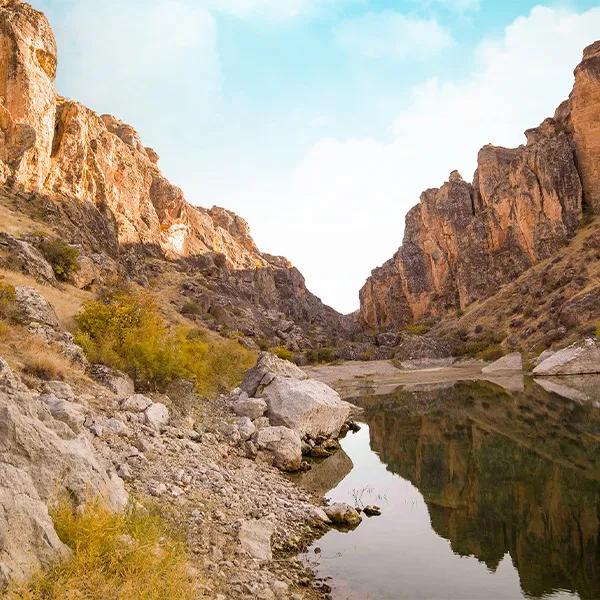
x=463 y=241
x=91 y=177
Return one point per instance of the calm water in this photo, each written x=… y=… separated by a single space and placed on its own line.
x=486 y=494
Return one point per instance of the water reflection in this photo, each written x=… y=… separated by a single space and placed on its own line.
x=504 y=476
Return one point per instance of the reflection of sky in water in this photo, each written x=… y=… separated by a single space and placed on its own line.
x=398 y=555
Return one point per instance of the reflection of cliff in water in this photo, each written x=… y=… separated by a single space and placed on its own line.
x=500 y=472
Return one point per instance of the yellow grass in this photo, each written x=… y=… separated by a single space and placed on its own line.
x=127 y=556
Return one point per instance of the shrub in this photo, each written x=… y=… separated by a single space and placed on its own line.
x=284 y=353
x=126 y=331
x=598 y=331
x=417 y=328
x=191 y=307
x=121 y=556
x=7 y=300
x=485 y=346
x=321 y=355
x=62 y=257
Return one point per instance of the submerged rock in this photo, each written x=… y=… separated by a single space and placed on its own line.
x=343 y=514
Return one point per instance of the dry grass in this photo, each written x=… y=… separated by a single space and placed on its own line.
x=32 y=356
x=66 y=300
x=133 y=555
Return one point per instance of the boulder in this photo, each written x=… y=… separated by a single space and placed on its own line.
x=343 y=514
x=116 y=381
x=255 y=538
x=32 y=307
x=157 y=416
x=266 y=367
x=28 y=542
x=136 y=403
x=27 y=259
x=41 y=460
x=510 y=362
x=63 y=410
x=253 y=408
x=246 y=428
x=284 y=444
x=307 y=406
x=578 y=359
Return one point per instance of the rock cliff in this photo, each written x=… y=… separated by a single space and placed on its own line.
x=91 y=178
x=465 y=240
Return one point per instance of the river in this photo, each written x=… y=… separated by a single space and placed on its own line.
x=487 y=492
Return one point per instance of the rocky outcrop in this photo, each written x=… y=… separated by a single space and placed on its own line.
x=465 y=240
x=92 y=178
x=42 y=459
x=307 y=406
x=578 y=359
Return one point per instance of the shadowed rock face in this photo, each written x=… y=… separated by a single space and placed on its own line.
x=515 y=473
x=463 y=241
x=91 y=177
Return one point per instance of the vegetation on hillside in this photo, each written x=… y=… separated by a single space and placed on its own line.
x=116 y=556
x=62 y=257
x=126 y=331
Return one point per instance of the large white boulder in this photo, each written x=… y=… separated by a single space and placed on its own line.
x=284 y=444
x=305 y=405
x=578 y=359
x=510 y=362
x=268 y=366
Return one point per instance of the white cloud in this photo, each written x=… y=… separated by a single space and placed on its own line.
x=350 y=196
x=389 y=34
x=153 y=63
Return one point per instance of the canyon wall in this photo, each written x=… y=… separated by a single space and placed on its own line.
x=94 y=182
x=465 y=240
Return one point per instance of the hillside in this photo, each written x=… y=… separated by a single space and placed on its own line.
x=89 y=181
x=525 y=214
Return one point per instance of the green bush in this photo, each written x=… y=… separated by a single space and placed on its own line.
x=598 y=331
x=284 y=353
x=485 y=346
x=62 y=257
x=321 y=355
x=127 y=332
x=191 y=307
x=8 y=297
x=417 y=328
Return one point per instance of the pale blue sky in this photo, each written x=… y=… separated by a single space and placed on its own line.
x=320 y=121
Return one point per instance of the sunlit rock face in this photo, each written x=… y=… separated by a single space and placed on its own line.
x=95 y=182
x=464 y=240
x=27 y=94
x=502 y=473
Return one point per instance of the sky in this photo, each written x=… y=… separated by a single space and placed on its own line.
x=321 y=121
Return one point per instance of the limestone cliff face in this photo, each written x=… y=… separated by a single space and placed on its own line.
x=464 y=240
x=92 y=178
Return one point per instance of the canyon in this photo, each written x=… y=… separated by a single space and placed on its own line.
x=464 y=241
x=91 y=181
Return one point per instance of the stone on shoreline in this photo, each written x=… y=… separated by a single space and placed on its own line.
x=510 y=362
x=578 y=359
